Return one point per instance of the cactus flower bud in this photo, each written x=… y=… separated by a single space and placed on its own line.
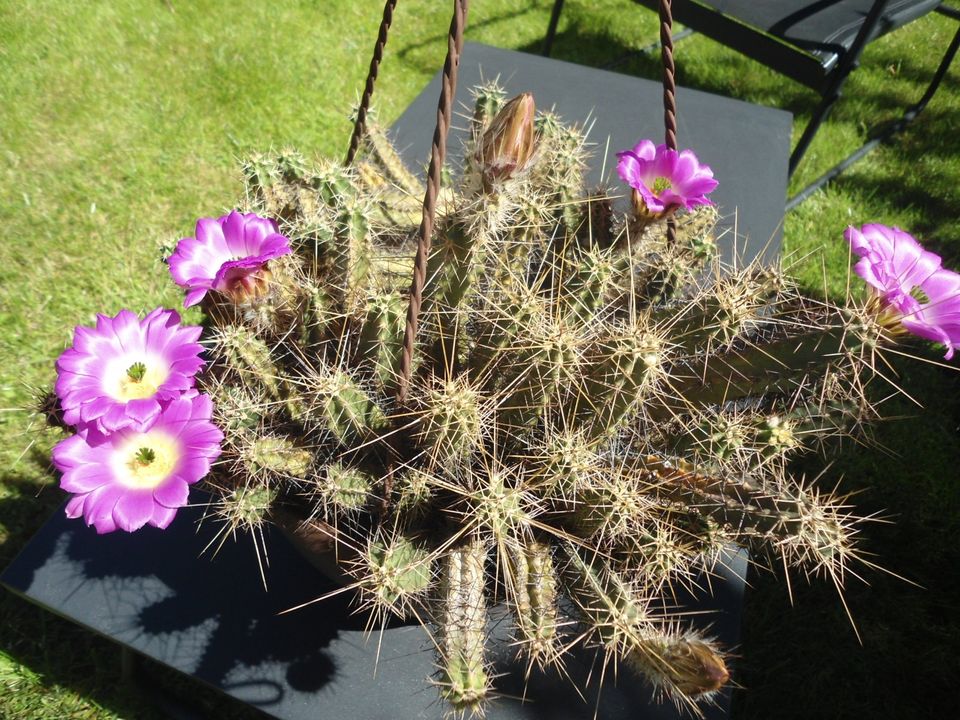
x=695 y=668
x=508 y=144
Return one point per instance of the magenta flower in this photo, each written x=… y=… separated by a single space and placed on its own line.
x=130 y=478
x=892 y=262
x=120 y=373
x=229 y=255
x=910 y=280
x=664 y=179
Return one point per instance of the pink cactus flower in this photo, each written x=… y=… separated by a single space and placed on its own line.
x=131 y=478
x=122 y=372
x=910 y=280
x=229 y=255
x=664 y=179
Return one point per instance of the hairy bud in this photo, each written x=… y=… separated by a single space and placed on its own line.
x=508 y=144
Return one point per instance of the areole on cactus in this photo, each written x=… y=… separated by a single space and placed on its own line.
x=594 y=413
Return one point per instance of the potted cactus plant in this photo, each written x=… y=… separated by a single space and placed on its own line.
x=574 y=408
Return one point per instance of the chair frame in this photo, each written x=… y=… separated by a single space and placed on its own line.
x=798 y=65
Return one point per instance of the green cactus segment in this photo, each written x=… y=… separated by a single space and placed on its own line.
x=717 y=437
x=463 y=681
x=352 y=254
x=568 y=465
x=344 y=489
x=451 y=423
x=246 y=507
x=610 y=508
x=680 y=664
x=797 y=521
x=620 y=373
x=618 y=617
x=416 y=490
x=500 y=505
x=249 y=358
x=534 y=590
x=381 y=337
x=336 y=402
x=452 y=270
x=562 y=177
x=488 y=100
x=730 y=311
x=774 y=367
x=235 y=409
x=751 y=438
x=588 y=283
x=548 y=361
x=382 y=153
x=658 y=276
x=318 y=318
x=506 y=317
x=398 y=571
x=277 y=456
x=596 y=232
x=667 y=551
x=778 y=434
x=273 y=180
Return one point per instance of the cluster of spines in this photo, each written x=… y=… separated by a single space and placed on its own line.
x=594 y=413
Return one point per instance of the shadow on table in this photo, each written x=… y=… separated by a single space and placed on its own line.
x=46 y=655
x=125 y=587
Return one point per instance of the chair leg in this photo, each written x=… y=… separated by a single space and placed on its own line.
x=552 y=27
x=819 y=115
x=911 y=114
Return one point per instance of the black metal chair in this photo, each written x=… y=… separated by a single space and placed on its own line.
x=817 y=43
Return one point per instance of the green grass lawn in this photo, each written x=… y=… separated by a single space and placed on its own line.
x=121 y=121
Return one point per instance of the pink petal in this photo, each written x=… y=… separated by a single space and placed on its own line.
x=86 y=478
x=141 y=413
x=645 y=150
x=98 y=507
x=193 y=297
x=172 y=494
x=74 y=508
x=133 y=510
x=162 y=517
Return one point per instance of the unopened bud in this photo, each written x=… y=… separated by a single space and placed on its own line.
x=696 y=668
x=508 y=144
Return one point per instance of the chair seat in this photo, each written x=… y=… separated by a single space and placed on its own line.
x=815 y=42
x=822 y=29
x=826 y=28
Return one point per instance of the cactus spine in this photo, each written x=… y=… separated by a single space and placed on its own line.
x=593 y=415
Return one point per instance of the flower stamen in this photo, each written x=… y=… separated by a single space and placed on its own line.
x=136 y=372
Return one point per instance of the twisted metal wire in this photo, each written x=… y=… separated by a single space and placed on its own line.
x=359 y=125
x=437 y=155
x=669 y=91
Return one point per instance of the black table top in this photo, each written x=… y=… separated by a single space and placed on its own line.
x=747 y=146
x=158 y=594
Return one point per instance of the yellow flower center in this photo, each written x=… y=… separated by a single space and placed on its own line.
x=661 y=184
x=126 y=380
x=146 y=460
